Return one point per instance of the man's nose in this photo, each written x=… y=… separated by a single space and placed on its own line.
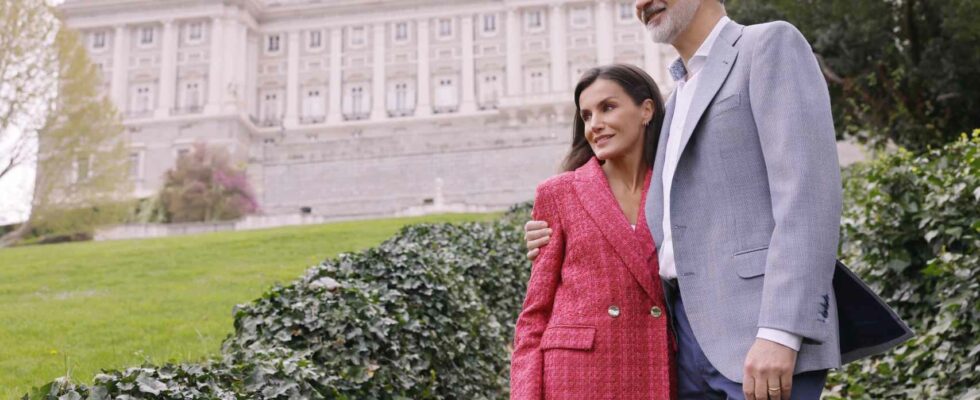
x=640 y=5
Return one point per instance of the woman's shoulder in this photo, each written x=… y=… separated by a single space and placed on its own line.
x=556 y=184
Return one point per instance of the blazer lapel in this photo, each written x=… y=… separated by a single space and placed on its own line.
x=654 y=204
x=710 y=79
x=595 y=195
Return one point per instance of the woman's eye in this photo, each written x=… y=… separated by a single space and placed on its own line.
x=585 y=117
x=609 y=107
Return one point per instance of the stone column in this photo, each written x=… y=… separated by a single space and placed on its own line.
x=604 y=32
x=252 y=42
x=120 y=68
x=653 y=61
x=469 y=81
x=378 y=109
x=559 y=49
x=514 y=50
x=291 y=117
x=234 y=75
x=168 y=70
x=215 y=67
x=334 y=114
x=423 y=105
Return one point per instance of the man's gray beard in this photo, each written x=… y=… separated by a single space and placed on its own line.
x=674 y=21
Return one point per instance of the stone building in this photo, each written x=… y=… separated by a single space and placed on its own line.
x=359 y=107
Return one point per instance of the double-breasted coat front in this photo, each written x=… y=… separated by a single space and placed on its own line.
x=594 y=324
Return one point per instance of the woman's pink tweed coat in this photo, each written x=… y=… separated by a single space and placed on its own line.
x=594 y=324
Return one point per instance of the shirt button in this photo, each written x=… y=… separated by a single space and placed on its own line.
x=656 y=312
x=613 y=311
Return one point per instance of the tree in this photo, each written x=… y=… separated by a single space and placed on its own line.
x=81 y=169
x=901 y=70
x=204 y=186
x=27 y=67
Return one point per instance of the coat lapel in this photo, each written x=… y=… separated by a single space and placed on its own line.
x=654 y=204
x=710 y=79
x=596 y=197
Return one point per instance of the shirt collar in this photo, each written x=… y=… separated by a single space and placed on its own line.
x=679 y=71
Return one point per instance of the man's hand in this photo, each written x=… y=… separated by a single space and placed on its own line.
x=768 y=371
x=536 y=234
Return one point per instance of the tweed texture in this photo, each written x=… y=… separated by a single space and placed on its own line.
x=756 y=199
x=587 y=329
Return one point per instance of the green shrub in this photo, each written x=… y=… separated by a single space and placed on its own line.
x=911 y=228
x=428 y=314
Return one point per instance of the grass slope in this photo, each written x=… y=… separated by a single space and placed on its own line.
x=79 y=307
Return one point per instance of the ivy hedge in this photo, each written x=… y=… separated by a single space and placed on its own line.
x=429 y=313
x=911 y=229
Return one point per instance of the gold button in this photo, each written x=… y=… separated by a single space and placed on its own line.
x=613 y=311
x=656 y=312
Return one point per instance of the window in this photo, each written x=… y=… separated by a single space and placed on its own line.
x=141 y=100
x=315 y=40
x=626 y=12
x=357 y=36
x=195 y=31
x=82 y=167
x=445 y=28
x=490 y=89
x=183 y=152
x=357 y=100
x=313 y=109
x=401 y=96
x=146 y=35
x=445 y=96
x=534 y=20
x=272 y=43
x=135 y=172
x=537 y=82
x=98 y=40
x=581 y=17
x=192 y=97
x=356 y=103
x=270 y=109
x=401 y=31
x=489 y=23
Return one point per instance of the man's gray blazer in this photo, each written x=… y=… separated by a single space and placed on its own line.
x=756 y=199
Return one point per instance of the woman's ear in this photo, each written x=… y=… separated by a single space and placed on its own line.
x=647 y=110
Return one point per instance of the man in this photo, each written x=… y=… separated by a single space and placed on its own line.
x=745 y=210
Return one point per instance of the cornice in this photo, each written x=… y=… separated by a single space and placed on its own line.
x=88 y=13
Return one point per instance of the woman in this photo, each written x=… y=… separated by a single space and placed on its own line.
x=594 y=323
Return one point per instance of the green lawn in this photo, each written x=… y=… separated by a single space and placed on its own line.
x=79 y=307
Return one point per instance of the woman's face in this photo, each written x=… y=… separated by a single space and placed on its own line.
x=614 y=125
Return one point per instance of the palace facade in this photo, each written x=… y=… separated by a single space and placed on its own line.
x=359 y=107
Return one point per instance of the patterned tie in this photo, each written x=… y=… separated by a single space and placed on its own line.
x=677 y=69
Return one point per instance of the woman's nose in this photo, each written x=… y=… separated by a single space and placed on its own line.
x=596 y=125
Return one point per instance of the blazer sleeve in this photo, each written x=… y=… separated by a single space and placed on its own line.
x=527 y=365
x=791 y=107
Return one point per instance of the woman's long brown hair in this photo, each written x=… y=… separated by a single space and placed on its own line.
x=640 y=87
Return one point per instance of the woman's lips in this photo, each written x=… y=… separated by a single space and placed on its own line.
x=602 y=140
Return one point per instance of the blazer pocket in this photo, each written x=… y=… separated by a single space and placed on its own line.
x=751 y=263
x=571 y=337
x=725 y=105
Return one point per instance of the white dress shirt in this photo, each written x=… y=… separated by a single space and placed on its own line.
x=683 y=95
